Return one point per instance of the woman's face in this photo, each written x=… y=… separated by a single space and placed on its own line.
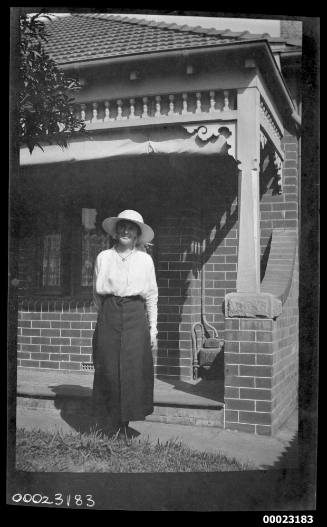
x=127 y=232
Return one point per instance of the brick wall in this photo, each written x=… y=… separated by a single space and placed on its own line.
x=55 y=336
x=58 y=333
x=221 y=263
x=291 y=29
x=177 y=240
x=184 y=240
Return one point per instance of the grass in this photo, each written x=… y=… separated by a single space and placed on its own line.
x=40 y=451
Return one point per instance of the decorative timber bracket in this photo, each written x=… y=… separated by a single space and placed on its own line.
x=279 y=172
x=208 y=131
x=271 y=159
x=268 y=122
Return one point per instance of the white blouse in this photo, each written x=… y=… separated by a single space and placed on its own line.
x=134 y=276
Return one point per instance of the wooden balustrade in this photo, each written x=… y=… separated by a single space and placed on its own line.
x=94 y=118
x=158 y=106
x=106 y=112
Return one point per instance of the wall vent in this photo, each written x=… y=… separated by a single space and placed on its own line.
x=87 y=366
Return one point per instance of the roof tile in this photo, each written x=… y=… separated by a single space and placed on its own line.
x=82 y=36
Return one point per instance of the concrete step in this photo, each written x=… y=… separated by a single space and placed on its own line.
x=182 y=402
x=76 y=406
x=188 y=415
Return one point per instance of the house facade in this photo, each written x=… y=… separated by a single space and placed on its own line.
x=199 y=131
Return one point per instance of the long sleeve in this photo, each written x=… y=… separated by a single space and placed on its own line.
x=151 y=300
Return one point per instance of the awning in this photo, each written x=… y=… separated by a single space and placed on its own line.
x=131 y=142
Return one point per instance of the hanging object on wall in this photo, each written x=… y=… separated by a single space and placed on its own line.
x=89 y=219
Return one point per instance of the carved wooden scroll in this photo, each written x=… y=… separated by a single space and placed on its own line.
x=209 y=130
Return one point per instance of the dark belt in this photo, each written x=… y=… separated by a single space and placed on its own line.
x=120 y=298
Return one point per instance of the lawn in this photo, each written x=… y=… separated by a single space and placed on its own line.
x=40 y=451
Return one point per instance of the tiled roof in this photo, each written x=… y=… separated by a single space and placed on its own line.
x=90 y=36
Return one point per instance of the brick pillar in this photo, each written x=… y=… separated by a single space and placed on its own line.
x=261 y=357
x=249 y=355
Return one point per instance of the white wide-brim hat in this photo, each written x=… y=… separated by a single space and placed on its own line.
x=109 y=224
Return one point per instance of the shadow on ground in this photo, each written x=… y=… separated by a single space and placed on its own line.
x=75 y=404
x=289 y=459
x=210 y=384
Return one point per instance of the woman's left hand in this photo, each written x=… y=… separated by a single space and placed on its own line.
x=154 y=342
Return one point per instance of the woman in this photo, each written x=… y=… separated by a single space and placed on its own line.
x=126 y=295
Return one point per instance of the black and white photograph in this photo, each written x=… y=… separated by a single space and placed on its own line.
x=163 y=262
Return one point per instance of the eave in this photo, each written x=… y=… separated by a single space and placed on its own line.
x=258 y=50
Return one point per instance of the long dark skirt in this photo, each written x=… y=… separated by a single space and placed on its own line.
x=123 y=377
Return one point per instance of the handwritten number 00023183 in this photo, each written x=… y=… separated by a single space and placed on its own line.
x=68 y=500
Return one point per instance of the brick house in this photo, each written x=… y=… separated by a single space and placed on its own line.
x=198 y=130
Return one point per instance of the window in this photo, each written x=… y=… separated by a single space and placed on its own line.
x=51 y=261
x=51 y=275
